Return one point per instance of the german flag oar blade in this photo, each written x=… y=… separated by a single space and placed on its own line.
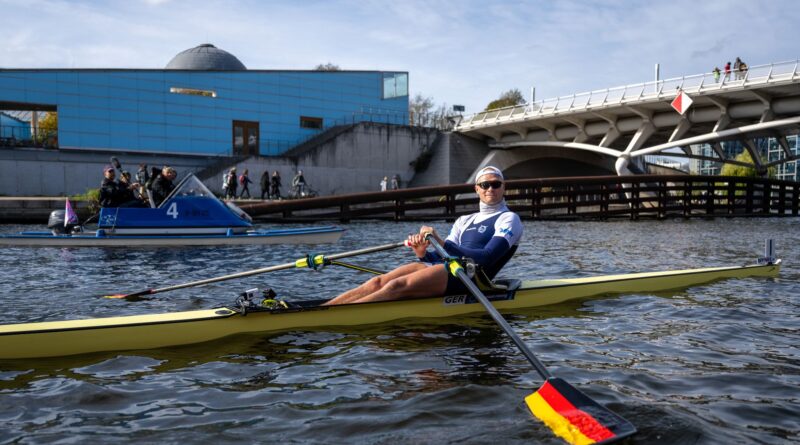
x=575 y=417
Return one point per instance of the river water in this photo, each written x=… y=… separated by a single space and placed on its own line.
x=714 y=364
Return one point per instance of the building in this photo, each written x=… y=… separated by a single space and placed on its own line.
x=205 y=102
x=12 y=128
x=768 y=148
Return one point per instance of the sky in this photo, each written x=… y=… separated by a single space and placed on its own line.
x=456 y=51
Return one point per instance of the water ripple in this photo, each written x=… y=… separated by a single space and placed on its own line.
x=714 y=364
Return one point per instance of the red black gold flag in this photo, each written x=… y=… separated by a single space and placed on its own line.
x=575 y=417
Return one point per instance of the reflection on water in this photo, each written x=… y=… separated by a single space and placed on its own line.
x=714 y=364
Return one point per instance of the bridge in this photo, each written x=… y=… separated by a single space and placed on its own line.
x=612 y=130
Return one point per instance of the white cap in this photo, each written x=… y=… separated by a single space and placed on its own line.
x=489 y=170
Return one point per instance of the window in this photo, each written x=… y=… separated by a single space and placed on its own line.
x=193 y=92
x=395 y=85
x=314 y=123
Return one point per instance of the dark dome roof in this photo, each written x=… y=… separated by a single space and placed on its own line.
x=205 y=57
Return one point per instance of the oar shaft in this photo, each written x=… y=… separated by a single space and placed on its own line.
x=498 y=318
x=278 y=267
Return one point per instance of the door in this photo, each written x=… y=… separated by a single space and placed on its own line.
x=245 y=138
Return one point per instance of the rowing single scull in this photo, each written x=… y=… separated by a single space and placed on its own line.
x=61 y=338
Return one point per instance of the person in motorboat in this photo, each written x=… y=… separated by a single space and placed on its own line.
x=163 y=184
x=128 y=197
x=489 y=237
x=112 y=192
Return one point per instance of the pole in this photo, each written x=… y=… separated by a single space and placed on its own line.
x=655 y=90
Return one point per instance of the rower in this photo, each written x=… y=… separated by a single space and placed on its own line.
x=489 y=237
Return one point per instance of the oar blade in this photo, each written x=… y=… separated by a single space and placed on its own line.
x=574 y=417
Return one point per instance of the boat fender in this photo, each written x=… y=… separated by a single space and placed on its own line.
x=100 y=233
x=229 y=232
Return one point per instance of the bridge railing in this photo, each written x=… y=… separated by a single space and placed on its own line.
x=596 y=197
x=662 y=89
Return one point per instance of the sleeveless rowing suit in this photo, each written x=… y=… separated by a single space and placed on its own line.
x=490 y=237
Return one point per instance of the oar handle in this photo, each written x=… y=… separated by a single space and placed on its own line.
x=458 y=271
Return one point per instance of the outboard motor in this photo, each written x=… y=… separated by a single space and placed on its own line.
x=56 y=223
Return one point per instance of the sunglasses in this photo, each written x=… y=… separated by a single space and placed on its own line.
x=493 y=184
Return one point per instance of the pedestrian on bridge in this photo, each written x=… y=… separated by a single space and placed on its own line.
x=716 y=73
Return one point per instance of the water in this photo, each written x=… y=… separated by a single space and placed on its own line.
x=713 y=364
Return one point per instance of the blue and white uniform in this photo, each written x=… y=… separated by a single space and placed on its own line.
x=490 y=237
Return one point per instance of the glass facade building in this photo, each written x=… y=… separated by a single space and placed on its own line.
x=202 y=110
x=768 y=148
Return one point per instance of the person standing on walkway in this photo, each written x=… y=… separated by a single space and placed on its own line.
x=395 y=182
x=264 y=183
x=231 y=184
x=727 y=72
x=384 y=183
x=245 y=182
x=716 y=73
x=299 y=183
x=742 y=70
x=736 y=65
x=275 y=185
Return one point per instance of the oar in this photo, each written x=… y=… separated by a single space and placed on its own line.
x=312 y=261
x=571 y=414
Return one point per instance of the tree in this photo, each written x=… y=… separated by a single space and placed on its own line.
x=743 y=171
x=327 y=67
x=419 y=109
x=507 y=99
x=48 y=130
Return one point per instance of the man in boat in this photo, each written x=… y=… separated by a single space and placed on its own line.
x=489 y=237
x=128 y=192
x=162 y=185
x=113 y=193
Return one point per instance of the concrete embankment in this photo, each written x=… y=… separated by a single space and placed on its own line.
x=36 y=209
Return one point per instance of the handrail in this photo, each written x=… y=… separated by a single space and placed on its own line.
x=755 y=75
x=574 y=197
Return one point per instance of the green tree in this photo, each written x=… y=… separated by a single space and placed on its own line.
x=48 y=129
x=744 y=171
x=327 y=67
x=507 y=99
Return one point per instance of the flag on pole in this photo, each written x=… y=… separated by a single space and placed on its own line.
x=682 y=102
x=70 y=217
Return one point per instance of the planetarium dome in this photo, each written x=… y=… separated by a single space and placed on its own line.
x=205 y=57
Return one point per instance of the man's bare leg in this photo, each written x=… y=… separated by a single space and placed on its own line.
x=429 y=281
x=375 y=284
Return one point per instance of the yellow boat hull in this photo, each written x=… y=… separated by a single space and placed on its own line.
x=61 y=338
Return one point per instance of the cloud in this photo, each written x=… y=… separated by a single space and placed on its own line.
x=458 y=51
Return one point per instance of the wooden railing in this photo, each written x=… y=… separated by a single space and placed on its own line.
x=596 y=197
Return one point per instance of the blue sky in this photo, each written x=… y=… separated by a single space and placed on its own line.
x=458 y=52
